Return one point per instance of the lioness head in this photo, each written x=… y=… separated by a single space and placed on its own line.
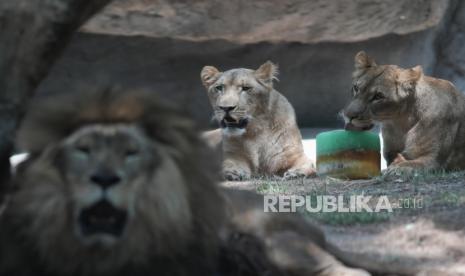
x=113 y=181
x=379 y=92
x=238 y=95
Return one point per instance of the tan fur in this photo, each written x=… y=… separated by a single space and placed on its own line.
x=179 y=222
x=271 y=143
x=213 y=137
x=422 y=118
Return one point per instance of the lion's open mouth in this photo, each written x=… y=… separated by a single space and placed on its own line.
x=102 y=218
x=229 y=122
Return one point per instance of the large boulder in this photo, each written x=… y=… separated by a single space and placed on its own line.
x=246 y=21
x=162 y=45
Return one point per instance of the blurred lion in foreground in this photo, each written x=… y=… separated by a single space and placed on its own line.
x=119 y=184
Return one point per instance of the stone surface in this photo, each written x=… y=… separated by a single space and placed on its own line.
x=246 y=21
x=316 y=78
x=451 y=50
x=162 y=46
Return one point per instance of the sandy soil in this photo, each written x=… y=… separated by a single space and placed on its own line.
x=429 y=235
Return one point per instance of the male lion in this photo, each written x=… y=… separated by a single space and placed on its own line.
x=422 y=118
x=114 y=186
x=258 y=126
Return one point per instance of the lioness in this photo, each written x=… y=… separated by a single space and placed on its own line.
x=422 y=118
x=258 y=126
x=114 y=186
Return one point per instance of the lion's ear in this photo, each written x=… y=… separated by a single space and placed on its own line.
x=267 y=72
x=209 y=75
x=363 y=61
x=408 y=78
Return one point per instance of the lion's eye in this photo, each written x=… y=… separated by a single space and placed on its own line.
x=378 y=96
x=83 y=148
x=219 y=88
x=246 y=88
x=83 y=151
x=131 y=152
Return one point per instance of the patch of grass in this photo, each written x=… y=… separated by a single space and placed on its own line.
x=270 y=187
x=449 y=199
x=418 y=176
x=336 y=218
x=437 y=191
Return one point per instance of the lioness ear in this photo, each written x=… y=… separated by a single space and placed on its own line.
x=267 y=72
x=408 y=78
x=209 y=75
x=363 y=61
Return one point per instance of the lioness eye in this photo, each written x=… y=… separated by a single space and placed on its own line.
x=378 y=96
x=246 y=88
x=355 y=89
x=219 y=88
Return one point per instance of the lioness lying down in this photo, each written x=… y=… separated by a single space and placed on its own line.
x=259 y=132
x=114 y=186
x=422 y=118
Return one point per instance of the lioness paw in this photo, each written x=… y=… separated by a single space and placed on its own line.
x=293 y=174
x=235 y=175
x=298 y=173
x=344 y=271
x=394 y=172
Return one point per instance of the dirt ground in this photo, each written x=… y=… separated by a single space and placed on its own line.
x=426 y=228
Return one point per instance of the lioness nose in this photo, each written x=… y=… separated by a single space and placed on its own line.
x=349 y=116
x=105 y=179
x=227 y=108
x=354 y=110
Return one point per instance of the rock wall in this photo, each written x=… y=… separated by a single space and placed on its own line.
x=162 y=46
x=451 y=50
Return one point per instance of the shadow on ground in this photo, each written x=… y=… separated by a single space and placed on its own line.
x=426 y=228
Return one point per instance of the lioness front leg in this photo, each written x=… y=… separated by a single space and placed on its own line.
x=303 y=167
x=236 y=170
x=402 y=166
x=422 y=148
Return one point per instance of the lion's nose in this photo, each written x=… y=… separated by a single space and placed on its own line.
x=105 y=179
x=227 y=108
